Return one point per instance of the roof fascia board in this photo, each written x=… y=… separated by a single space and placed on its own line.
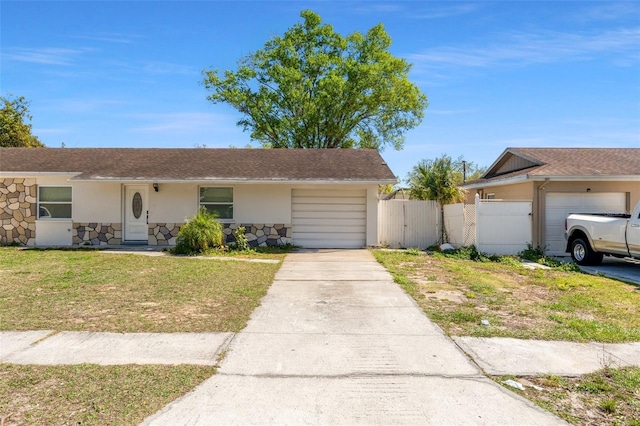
x=495 y=163
x=534 y=160
x=520 y=179
x=235 y=181
x=487 y=183
x=512 y=151
x=37 y=174
x=587 y=178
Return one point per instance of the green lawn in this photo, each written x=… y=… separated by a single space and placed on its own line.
x=91 y=394
x=88 y=290
x=93 y=291
x=521 y=303
x=605 y=397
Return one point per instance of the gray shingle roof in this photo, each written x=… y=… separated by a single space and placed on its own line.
x=583 y=161
x=357 y=165
x=590 y=163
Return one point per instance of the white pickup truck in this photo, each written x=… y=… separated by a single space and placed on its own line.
x=591 y=236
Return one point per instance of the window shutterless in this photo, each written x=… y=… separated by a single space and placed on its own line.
x=217 y=200
x=54 y=202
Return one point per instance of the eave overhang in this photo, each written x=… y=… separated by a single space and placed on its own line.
x=538 y=178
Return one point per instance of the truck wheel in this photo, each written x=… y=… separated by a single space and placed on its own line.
x=583 y=254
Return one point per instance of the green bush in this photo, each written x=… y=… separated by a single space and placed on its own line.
x=536 y=254
x=241 y=244
x=201 y=233
x=468 y=253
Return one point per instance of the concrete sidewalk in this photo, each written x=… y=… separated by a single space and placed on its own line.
x=505 y=356
x=496 y=355
x=335 y=341
x=69 y=347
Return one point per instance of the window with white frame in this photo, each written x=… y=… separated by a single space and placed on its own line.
x=491 y=196
x=217 y=200
x=54 y=202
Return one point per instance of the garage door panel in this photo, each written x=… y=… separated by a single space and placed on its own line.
x=329 y=222
x=326 y=230
x=329 y=208
x=337 y=236
x=329 y=200
x=329 y=218
x=330 y=193
x=559 y=205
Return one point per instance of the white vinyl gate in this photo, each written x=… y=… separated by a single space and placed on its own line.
x=329 y=218
x=408 y=223
x=503 y=227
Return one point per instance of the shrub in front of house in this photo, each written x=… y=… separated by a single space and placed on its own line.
x=201 y=233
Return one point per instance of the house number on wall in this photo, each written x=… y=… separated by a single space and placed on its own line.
x=136 y=205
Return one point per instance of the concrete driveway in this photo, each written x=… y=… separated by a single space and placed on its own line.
x=335 y=341
x=615 y=268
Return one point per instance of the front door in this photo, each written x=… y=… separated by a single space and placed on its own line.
x=135 y=213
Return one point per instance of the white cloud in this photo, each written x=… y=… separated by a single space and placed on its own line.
x=609 y=11
x=110 y=37
x=155 y=67
x=182 y=122
x=43 y=55
x=525 y=48
x=448 y=11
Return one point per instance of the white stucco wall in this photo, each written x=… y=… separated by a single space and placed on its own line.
x=97 y=202
x=173 y=203
x=262 y=203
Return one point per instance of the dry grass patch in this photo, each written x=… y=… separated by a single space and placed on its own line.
x=606 y=397
x=92 y=291
x=531 y=304
x=90 y=394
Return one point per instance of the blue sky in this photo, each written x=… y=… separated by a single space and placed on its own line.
x=497 y=74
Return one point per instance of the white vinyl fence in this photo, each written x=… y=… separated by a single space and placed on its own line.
x=503 y=227
x=493 y=226
x=460 y=224
x=408 y=223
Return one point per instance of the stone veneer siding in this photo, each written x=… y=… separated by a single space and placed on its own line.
x=163 y=234
x=18 y=211
x=260 y=234
x=97 y=234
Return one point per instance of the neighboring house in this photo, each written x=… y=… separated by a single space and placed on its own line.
x=560 y=181
x=104 y=196
x=397 y=194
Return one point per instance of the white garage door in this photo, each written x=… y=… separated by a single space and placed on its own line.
x=329 y=218
x=561 y=204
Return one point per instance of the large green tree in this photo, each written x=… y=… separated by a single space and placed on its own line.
x=313 y=88
x=15 y=124
x=440 y=180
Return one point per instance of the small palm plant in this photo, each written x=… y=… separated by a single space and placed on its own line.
x=201 y=233
x=436 y=180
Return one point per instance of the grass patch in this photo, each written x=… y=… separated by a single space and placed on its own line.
x=87 y=290
x=606 y=397
x=91 y=395
x=458 y=289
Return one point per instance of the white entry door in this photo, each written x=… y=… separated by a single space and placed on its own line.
x=135 y=213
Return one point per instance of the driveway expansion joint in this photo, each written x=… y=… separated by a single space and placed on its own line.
x=359 y=375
